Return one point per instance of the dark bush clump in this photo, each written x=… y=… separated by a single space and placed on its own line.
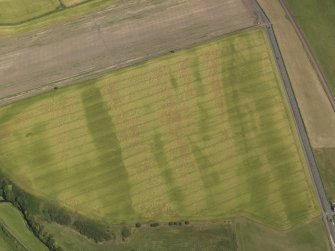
x=156 y=224
x=125 y=233
x=138 y=225
x=57 y=215
x=91 y=229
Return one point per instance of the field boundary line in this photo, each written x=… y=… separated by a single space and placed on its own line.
x=312 y=58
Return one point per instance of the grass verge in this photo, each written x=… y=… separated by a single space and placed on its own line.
x=325 y=158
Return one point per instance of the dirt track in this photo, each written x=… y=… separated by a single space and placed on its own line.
x=121 y=35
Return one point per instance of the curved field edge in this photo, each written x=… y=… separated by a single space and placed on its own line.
x=13 y=226
x=56 y=16
x=202 y=134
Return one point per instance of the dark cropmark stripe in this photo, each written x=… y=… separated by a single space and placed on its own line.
x=209 y=176
x=174 y=190
x=251 y=164
x=102 y=130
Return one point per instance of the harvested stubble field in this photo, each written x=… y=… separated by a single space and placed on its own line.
x=205 y=133
x=15 y=11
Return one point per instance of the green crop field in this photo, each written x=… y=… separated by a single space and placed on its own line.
x=316 y=19
x=20 y=237
x=205 y=133
x=15 y=11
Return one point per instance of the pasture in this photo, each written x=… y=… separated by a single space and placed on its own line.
x=16 y=11
x=204 y=133
x=20 y=236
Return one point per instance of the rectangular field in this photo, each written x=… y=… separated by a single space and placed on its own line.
x=15 y=11
x=204 y=133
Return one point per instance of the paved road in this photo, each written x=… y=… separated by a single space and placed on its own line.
x=327 y=214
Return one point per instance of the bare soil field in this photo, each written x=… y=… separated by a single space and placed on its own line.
x=124 y=34
x=315 y=107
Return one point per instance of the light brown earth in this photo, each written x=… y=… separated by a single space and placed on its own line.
x=316 y=110
x=129 y=32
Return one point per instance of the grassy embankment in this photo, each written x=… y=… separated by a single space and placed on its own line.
x=201 y=134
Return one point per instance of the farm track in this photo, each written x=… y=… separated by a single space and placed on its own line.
x=92 y=45
x=314 y=172
x=310 y=54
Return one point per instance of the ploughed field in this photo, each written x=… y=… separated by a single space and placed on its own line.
x=204 y=133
